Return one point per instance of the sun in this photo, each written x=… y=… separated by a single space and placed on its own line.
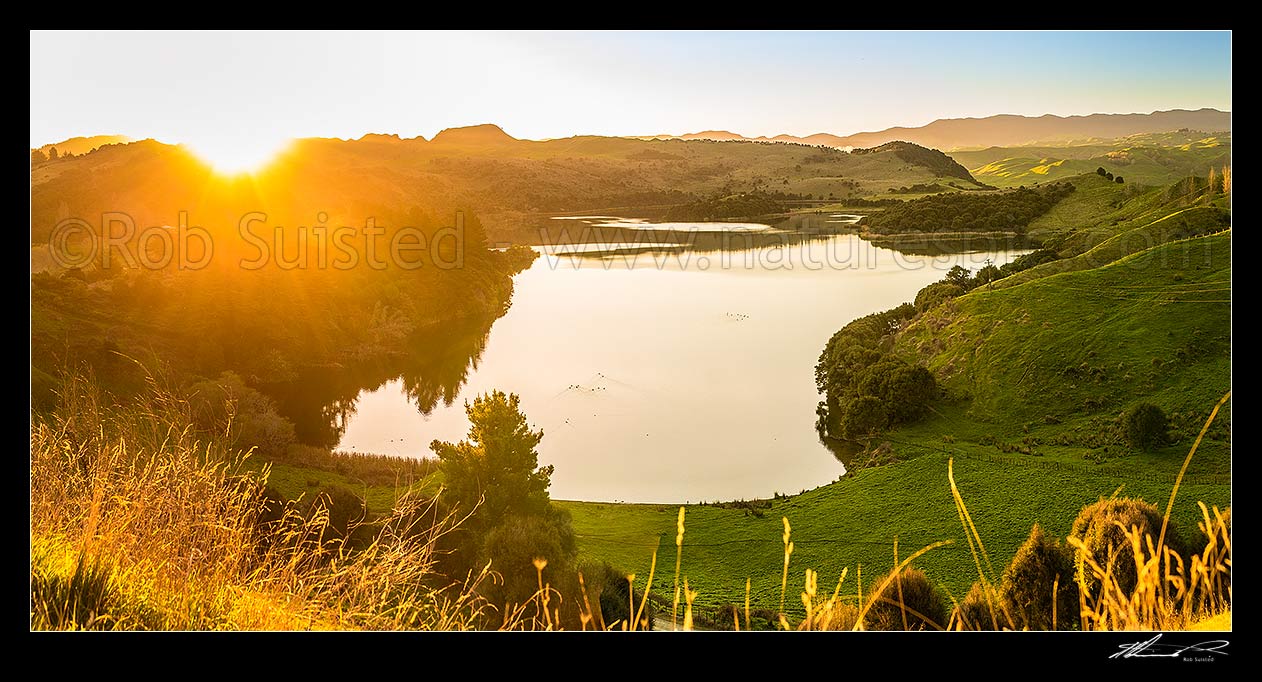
x=238 y=154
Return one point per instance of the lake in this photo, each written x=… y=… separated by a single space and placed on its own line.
x=658 y=373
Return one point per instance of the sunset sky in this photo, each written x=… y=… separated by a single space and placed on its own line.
x=258 y=88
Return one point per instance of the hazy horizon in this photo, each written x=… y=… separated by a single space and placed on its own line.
x=36 y=145
x=271 y=86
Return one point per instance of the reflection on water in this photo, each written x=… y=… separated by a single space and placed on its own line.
x=656 y=377
x=323 y=401
x=642 y=224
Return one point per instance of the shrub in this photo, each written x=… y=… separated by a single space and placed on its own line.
x=226 y=405
x=512 y=548
x=610 y=595
x=1028 y=261
x=981 y=610
x=1100 y=527
x=1145 y=426
x=346 y=510
x=986 y=275
x=921 y=604
x=1026 y=587
x=935 y=294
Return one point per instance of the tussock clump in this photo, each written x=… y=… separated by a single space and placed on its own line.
x=1038 y=587
x=980 y=610
x=909 y=602
x=1102 y=528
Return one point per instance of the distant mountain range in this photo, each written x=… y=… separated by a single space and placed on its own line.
x=83 y=145
x=1004 y=130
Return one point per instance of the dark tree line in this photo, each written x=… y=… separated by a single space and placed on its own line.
x=918 y=188
x=867 y=388
x=1109 y=176
x=746 y=205
x=1011 y=211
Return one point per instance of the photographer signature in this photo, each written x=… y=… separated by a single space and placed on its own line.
x=1153 y=649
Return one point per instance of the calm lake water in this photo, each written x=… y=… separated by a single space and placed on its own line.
x=657 y=376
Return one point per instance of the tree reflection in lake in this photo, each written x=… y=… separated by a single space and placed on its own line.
x=321 y=401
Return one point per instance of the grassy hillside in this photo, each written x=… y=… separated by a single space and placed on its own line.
x=1058 y=357
x=1102 y=222
x=1150 y=159
x=480 y=168
x=854 y=523
x=1035 y=374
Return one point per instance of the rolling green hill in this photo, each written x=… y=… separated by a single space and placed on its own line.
x=1150 y=158
x=1035 y=373
x=503 y=179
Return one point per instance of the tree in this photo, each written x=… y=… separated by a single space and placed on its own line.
x=1226 y=179
x=38 y=157
x=1118 y=180
x=495 y=476
x=960 y=276
x=936 y=293
x=52 y=153
x=987 y=274
x=1108 y=176
x=1144 y=426
x=1100 y=171
x=497 y=469
x=863 y=416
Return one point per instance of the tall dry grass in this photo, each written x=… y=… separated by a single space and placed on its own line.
x=137 y=523
x=1169 y=593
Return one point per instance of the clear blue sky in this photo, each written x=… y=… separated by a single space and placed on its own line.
x=252 y=88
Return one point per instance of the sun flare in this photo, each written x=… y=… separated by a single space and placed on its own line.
x=238 y=155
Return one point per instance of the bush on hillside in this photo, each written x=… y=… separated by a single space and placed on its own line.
x=610 y=595
x=347 y=511
x=512 y=548
x=986 y=275
x=227 y=406
x=862 y=416
x=981 y=609
x=1145 y=426
x=1026 y=588
x=866 y=388
x=935 y=294
x=1027 y=261
x=1100 y=527
x=921 y=603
